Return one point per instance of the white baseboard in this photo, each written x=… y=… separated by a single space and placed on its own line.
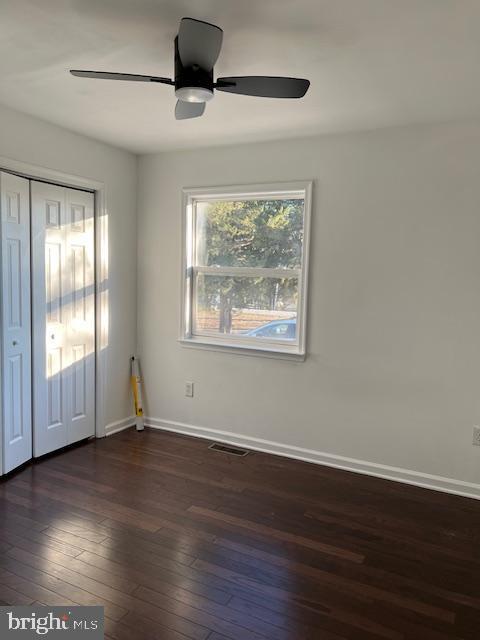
x=407 y=476
x=119 y=425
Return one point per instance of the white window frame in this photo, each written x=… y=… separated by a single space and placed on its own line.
x=257 y=345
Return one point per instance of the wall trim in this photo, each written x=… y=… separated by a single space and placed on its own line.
x=119 y=425
x=397 y=474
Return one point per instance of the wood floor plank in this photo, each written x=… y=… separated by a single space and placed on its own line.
x=65 y=589
x=33 y=540
x=167 y=612
x=214 y=622
x=355 y=588
x=12 y=597
x=134 y=626
x=280 y=535
x=117 y=580
x=33 y=590
x=179 y=542
x=157 y=578
x=98 y=505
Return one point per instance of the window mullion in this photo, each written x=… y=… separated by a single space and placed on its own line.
x=252 y=272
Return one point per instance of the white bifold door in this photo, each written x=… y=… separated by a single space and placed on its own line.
x=15 y=313
x=63 y=312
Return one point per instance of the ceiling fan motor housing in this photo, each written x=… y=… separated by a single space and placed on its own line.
x=192 y=84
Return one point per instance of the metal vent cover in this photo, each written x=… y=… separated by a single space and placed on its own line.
x=225 y=448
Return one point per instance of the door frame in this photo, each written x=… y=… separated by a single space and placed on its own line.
x=39 y=173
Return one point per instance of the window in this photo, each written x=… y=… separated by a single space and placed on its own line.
x=245 y=267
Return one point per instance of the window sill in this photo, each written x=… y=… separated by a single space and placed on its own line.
x=244 y=350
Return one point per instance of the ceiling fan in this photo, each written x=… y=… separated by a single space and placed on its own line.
x=197 y=47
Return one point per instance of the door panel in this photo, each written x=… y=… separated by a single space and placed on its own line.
x=64 y=316
x=79 y=373
x=81 y=335
x=50 y=367
x=55 y=410
x=16 y=337
x=14 y=397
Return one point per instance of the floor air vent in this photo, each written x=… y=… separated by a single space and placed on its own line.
x=225 y=448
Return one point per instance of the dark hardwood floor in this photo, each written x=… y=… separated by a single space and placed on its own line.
x=179 y=542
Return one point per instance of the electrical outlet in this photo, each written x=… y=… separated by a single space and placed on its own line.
x=189 y=391
x=476 y=435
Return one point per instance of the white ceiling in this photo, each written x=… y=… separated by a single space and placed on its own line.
x=372 y=63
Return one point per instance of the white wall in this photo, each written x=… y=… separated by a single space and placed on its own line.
x=33 y=141
x=392 y=375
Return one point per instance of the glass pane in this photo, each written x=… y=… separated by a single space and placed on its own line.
x=249 y=233
x=250 y=307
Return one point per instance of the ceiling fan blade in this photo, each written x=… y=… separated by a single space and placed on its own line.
x=106 y=75
x=199 y=43
x=185 y=110
x=264 y=86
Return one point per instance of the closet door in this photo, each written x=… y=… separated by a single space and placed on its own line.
x=16 y=347
x=80 y=251
x=63 y=316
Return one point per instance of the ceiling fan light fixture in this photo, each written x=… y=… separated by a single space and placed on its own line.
x=193 y=94
x=196 y=49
